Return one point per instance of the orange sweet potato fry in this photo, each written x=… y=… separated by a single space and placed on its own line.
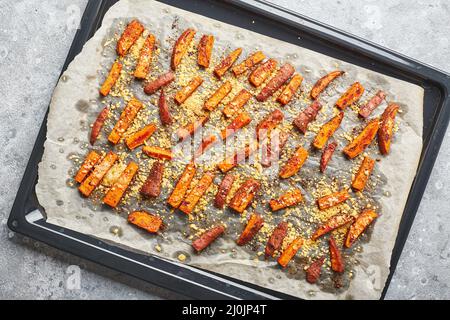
x=207 y=238
x=91 y=160
x=97 y=175
x=235 y=106
x=98 y=125
x=367 y=109
x=314 y=270
x=333 y=199
x=146 y=221
x=232 y=161
x=181 y=47
x=249 y=63
x=263 y=72
x=126 y=119
x=363 y=174
x=288 y=199
x=111 y=79
x=290 y=252
x=227 y=63
x=153 y=184
x=117 y=191
x=272 y=147
x=307 y=116
x=132 y=32
x=357 y=228
x=294 y=164
x=145 y=58
x=206 y=144
x=242 y=120
x=164 y=111
x=275 y=240
x=254 y=224
x=276 y=83
x=191 y=200
x=385 y=131
x=163 y=80
x=327 y=154
x=139 y=138
x=288 y=93
x=337 y=263
x=323 y=83
x=327 y=130
x=269 y=123
x=217 y=97
x=191 y=128
x=158 y=153
x=224 y=190
x=331 y=224
x=205 y=48
x=363 y=140
x=353 y=94
x=245 y=195
x=182 y=186
x=188 y=90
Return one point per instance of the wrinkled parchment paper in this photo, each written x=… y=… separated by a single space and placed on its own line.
x=76 y=103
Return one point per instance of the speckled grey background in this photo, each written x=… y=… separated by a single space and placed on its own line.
x=35 y=37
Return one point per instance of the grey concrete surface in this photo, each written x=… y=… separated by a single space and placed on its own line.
x=35 y=37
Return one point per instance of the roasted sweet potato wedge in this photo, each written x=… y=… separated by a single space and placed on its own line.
x=385 y=132
x=224 y=190
x=276 y=239
x=263 y=72
x=294 y=164
x=292 y=87
x=89 y=163
x=129 y=37
x=236 y=105
x=327 y=154
x=249 y=63
x=139 y=138
x=163 y=80
x=290 y=252
x=337 y=263
x=191 y=128
x=357 y=228
x=117 y=191
x=363 y=140
x=182 y=186
x=278 y=140
x=323 y=83
x=227 y=63
x=126 y=119
x=288 y=199
x=98 y=125
x=327 y=131
x=205 y=48
x=111 y=79
x=361 y=178
x=145 y=58
x=331 y=224
x=207 y=238
x=188 y=90
x=353 y=94
x=366 y=110
x=164 y=112
x=217 y=97
x=181 y=47
x=245 y=195
x=188 y=204
x=97 y=175
x=158 y=153
x=240 y=156
x=314 y=270
x=206 y=144
x=254 y=224
x=152 y=186
x=283 y=75
x=307 y=116
x=242 y=120
x=269 y=123
x=333 y=199
x=147 y=221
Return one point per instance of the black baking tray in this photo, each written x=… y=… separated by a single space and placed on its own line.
x=28 y=217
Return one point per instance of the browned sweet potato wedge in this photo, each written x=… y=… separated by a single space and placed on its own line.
x=327 y=131
x=366 y=110
x=282 y=76
x=205 y=48
x=126 y=119
x=191 y=200
x=217 y=97
x=263 y=72
x=327 y=154
x=181 y=47
x=288 y=199
x=145 y=58
x=191 y=128
x=242 y=120
x=358 y=227
x=164 y=112
x=353 y=94
x=363 y=140
x=290 y=252
x=139 y=138
x=117 y=191
x=307 y=116
x=152 y=186
x=249 y=63
x=269 y=123
x=158 y=153
x=278 y=140
x=276 y=239
x=337 y=263
x=162 y=81
x=97 y=175
x=386 y=129
x=98 y=125
x=182 y=186
x=288 y=93
x=224 y=190
x=323 y=83
x=245 y=195
x=227 y=63
x=314 y=270
x=111 y=79
x=254 y=224
x=188 y=90
x=206 y=144
x=333 y=199
x=360 y=180
x=132 y=32
x=294 y=164
x=91 y=160
x=232 y=161
x=331 y=224
x=207 y=238
x=144 y=220
x=235 y=106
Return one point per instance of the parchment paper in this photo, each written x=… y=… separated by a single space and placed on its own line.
x=76 y=103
